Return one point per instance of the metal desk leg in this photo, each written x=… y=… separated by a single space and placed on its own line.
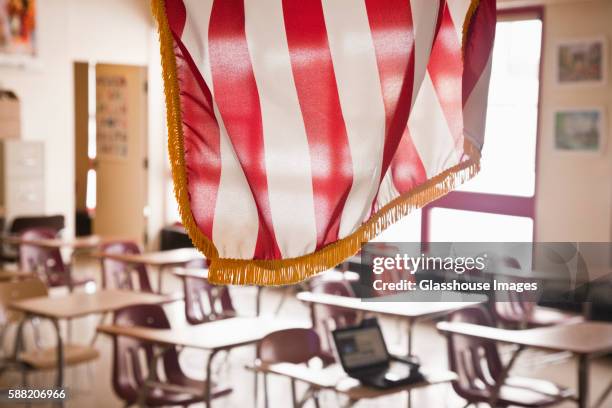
x=60 y=354
x=410 y=330
x=160 y=273
x=583 y=380
x=258 y=301
x=208 y=382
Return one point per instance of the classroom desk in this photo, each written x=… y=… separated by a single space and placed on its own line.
x=411 y=311
x=79 y=304
x=6 y=275
x=329 y=275
x=585 y=340
x=334 y=378
x=162 y=260
x=214 y=337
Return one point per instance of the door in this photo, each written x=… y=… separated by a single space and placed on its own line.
x=121 y=140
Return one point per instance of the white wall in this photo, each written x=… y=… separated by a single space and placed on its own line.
x=108 y=31
x=574 y=195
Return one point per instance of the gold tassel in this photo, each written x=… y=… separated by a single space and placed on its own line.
x=286 y=271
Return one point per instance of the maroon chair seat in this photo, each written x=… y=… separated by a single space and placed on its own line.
x=479 y=367
x=47 y=263
x=296 y=346
x=129 y=376
x=118 y=274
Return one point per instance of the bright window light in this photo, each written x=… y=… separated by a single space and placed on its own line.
x=508 y=156
x=446 y=225
x=90 y=198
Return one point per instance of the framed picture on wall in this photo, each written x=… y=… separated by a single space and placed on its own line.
x=580 y=130
x=18 y=39
x=582 y=61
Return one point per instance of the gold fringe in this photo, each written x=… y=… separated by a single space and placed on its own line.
x=286 y=271
x=467 y=23
x=175 y=131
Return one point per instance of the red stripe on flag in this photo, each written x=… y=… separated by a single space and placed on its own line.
x=177 y=15
x=238 y=101
x=479 y=45
x=393 y=38
x=445 y=69
x=317 y=91
x=200 y=140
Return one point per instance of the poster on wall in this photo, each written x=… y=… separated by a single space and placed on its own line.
x=582 y=61
x=580 y=130
x=111 y=117
x=17 y=31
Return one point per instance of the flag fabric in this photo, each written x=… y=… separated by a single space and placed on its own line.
x=300 y=129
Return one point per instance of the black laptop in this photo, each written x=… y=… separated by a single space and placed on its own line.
x=364 y=356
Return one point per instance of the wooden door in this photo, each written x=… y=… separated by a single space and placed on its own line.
x=121 y=140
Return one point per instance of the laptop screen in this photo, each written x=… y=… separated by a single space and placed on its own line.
x=361 y=347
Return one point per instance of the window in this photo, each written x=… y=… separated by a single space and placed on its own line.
x=498 y=204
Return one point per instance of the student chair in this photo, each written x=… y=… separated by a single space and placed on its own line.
x=205 y=302
x=118 y=274
x=130 y=373
x=326 y=318
x=25 y=357
x=9 y=253
x=296 y=346
x=479 y=367
x=516 y=311
x=47 y=263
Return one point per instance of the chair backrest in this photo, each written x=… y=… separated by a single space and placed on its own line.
x=46 y=262
x=290 y=346
x=118 y=274
x=327 y=318
x=513 y=308
x=205 y=302
x=131 y=357
x=18 y=290
x=475 y=361
x=50 y=222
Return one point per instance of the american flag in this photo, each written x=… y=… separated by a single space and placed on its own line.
x=299 y=129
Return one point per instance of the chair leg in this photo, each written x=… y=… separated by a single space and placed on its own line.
x=265 y=386
x=293 y=394
x=315 y=398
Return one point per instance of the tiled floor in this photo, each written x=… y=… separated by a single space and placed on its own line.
x=90 y=385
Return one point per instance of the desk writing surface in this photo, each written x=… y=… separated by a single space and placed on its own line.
x=198 y=273
x=6 y=275
x=580 y=338
x=157 y=258
x=217 y=335
x=83 y=242
x=79 y=304
x=334 y=377
x=395 y=308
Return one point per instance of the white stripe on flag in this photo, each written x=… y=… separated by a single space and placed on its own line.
x=424 y=18
x=356 y=70
x=430 y=131
x=235 y=212
x=458 y=9
x=287 y=157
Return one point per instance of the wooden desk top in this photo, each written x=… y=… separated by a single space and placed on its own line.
x=217 y=335
x=392 y=308
x=159 y=258
x=334 y=377
x=579 y=338
x=198 y=273
x=84 y=242
x=78 y=304
x=12 y=275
